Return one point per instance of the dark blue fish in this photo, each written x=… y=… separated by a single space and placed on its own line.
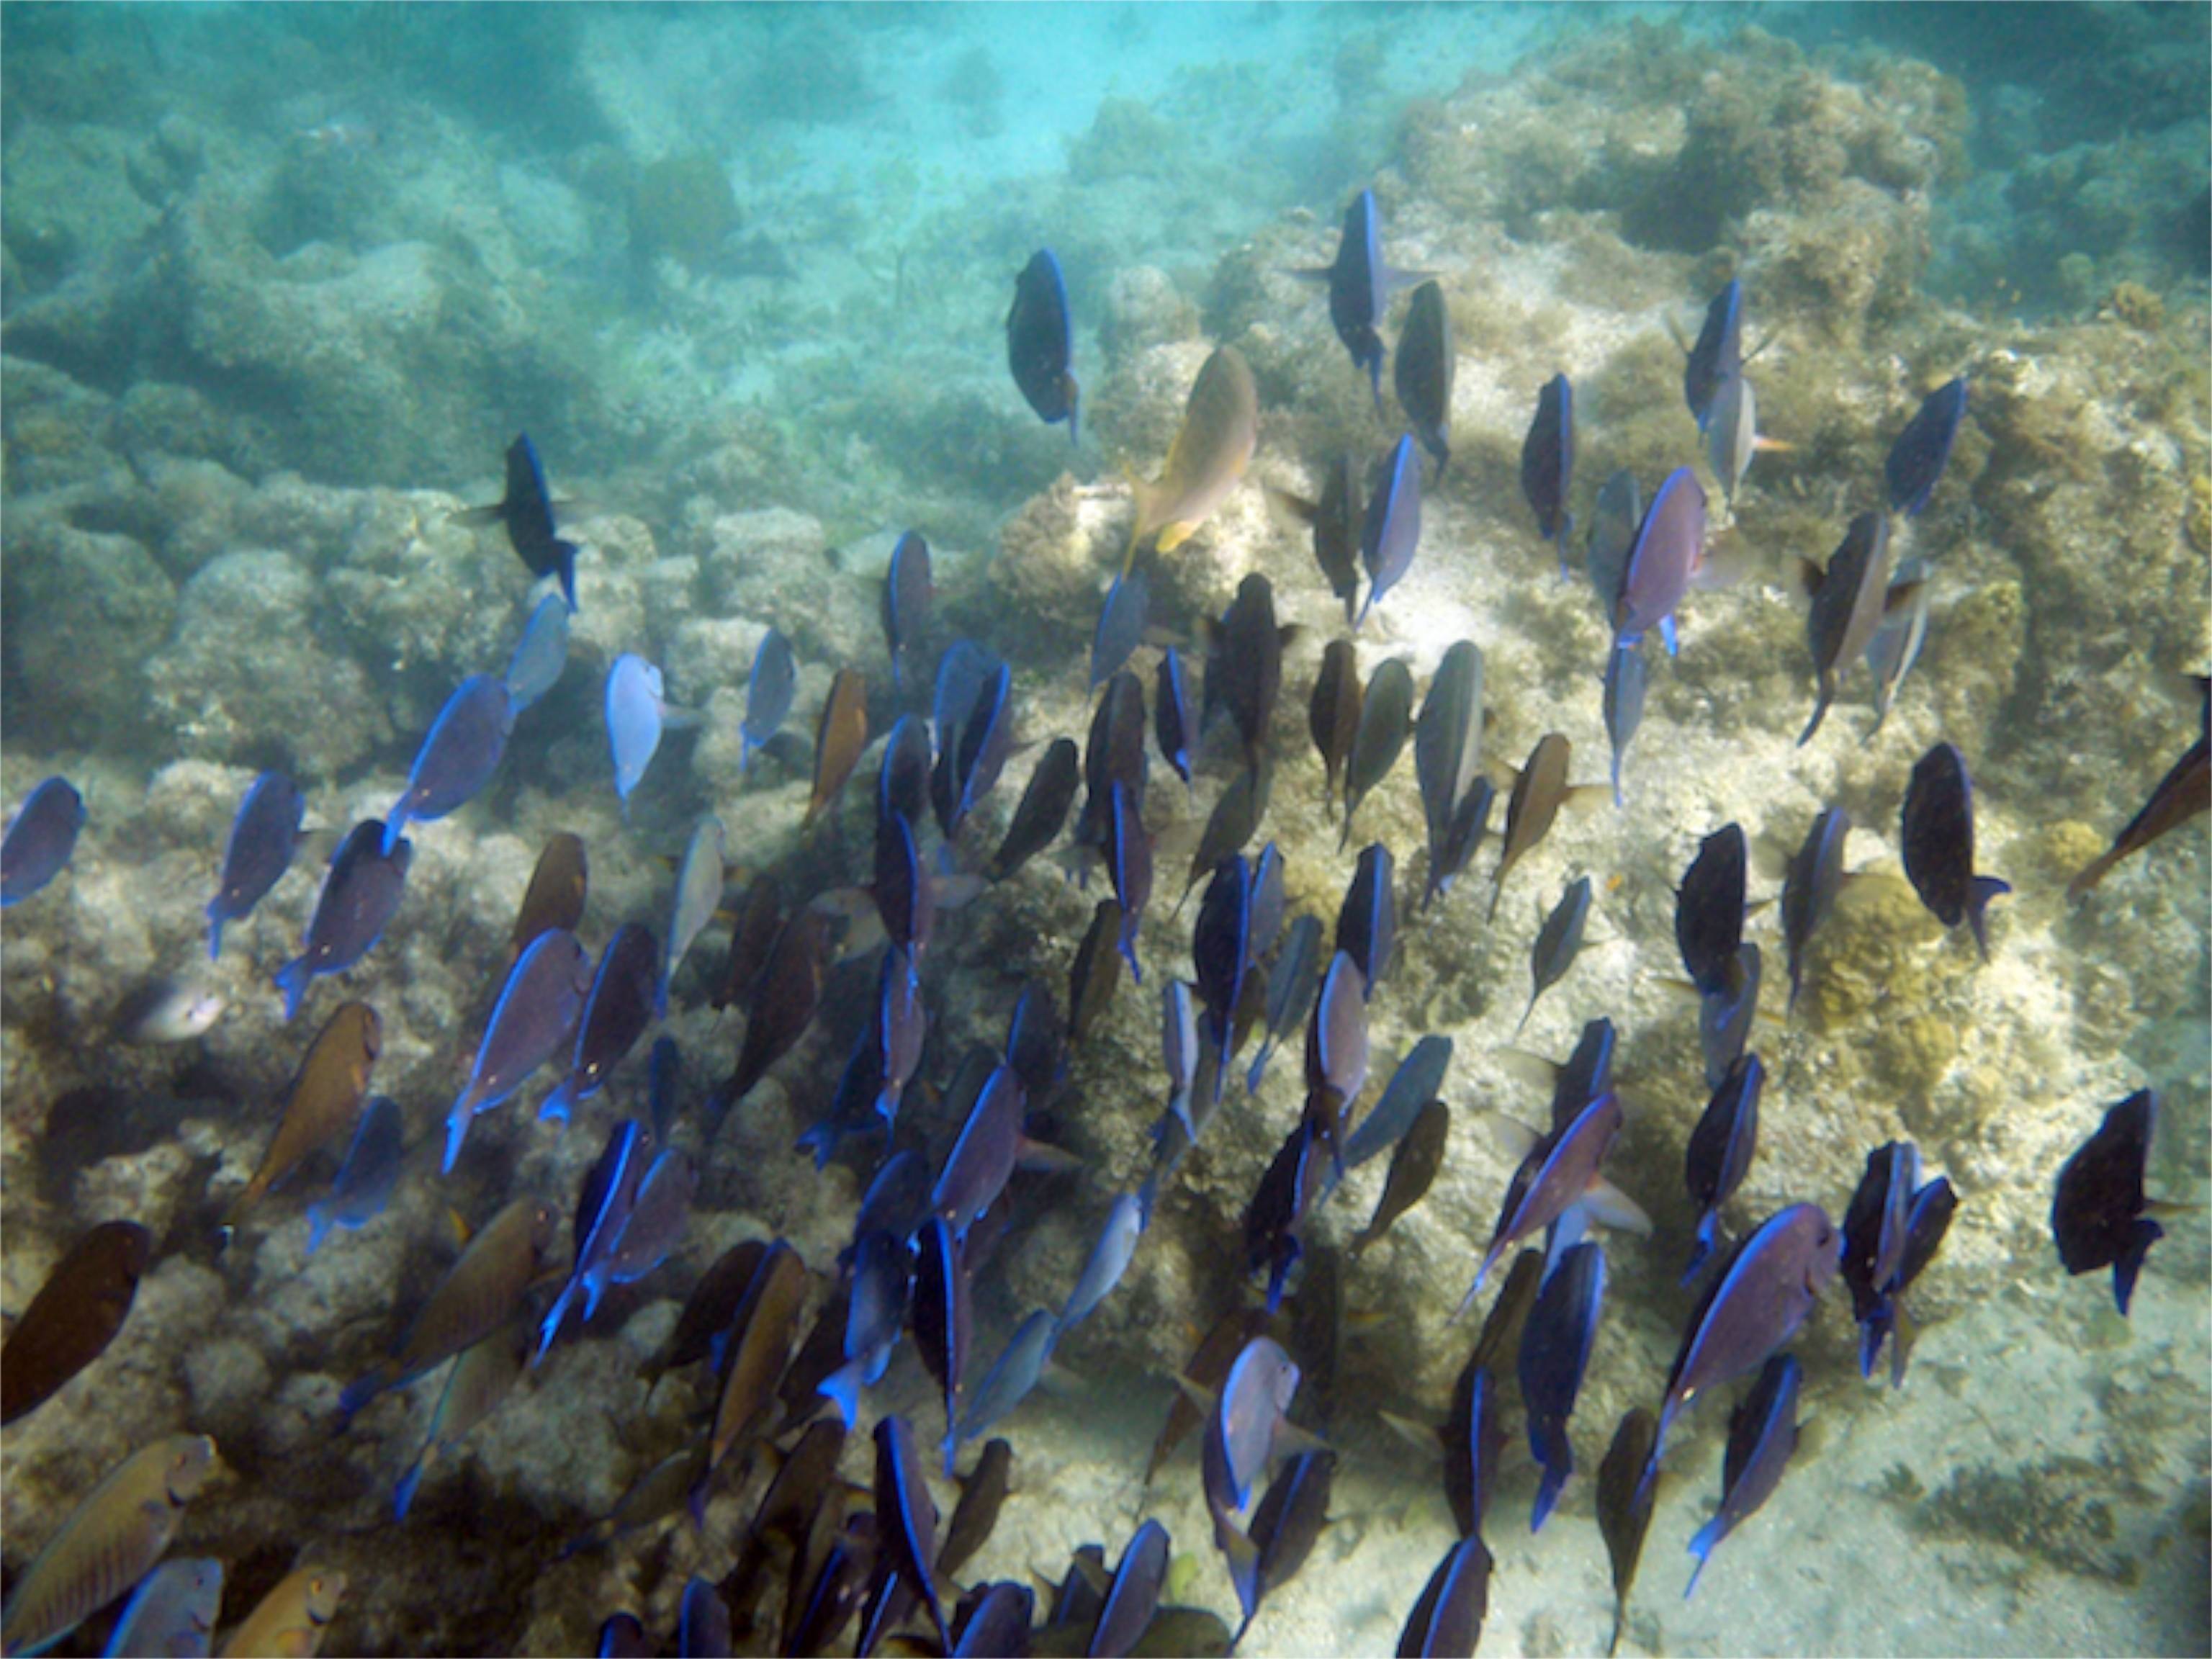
x=904 y=897
x=1915 y=460
x=985 y=740
x=364 y=1182
x=1288 y=1523
x=1110 y=1260
x=1718 y=354
x=1036 y=1041
x=998 y=1622
x=1220 y=955
x=1134 y=1594
x=1721 y=1150
x=1762 y=1435
x=902 y=776
x=622 y=1635
x=1120 y=625
x=1041 y=812
x=1461 y=837
x=702 y=1623
x=1336 y=1051
x=1809 y=887
x=458 y=757
x=944 y=1317
x=1009 y=1382
x=1386 y=720
x=1179 y=1051
x=41 y=838
x=1548 y=465
x=1415 y=1162
x=1448 y=749
x=1473 y=1438
x=900 y=1027
x=1289 y=1188
x=1129 y=860
x=526 y=511
x=1753 y=1307
x=361 y=891
x=540 y=654
x=1367 y=921
x=1446 y=1622
x=1041 y=342
x=976 y=1169
x=1892 y=1229
x=1265 y=911
x=962 y=674
x=1625 y=676
x=1587 y=1073
x=882 y=1280
x=907 y=1516
x=1709 y=905
x=603 y=1207
x=1419 y=1078
x=262 y=839
x=1555 y=1350
x=1171 y=722
x=534 y=1020
x=1559 y=942
x=1427 y=362
x=1114 y=752
x=1096 y=973
x=1244 y=667
x=1390 y=534
x=768 y=692
x=1613 y=519
x=663 y=1073
x=907 y=593
x=1358 y=290
x=1849 y=598
x=1726 y=1011
x=1668 y=546
x=615 y=1014
x=1624 y=1507
x=1558 y=1174
x=1293 y=983
x=658 y=1216
x=2098 y=1212
x=1334 y=520
x=896 y=1200
x=1939 y=844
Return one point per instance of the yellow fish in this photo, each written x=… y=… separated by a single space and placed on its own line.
x=110 y=1541
x=323 y=1103
x=291 y=1618
x=1220 y=427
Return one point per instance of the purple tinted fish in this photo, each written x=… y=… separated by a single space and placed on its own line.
x=1668 y=546
x=1558 y=1173
x=615 y=1013
x=41 y=838
x=1134 y=1594
x=1336 y=1049
x=1809 y=887
x=1390 y=534
x=1009 y=1382
x=1916 y=460
x=1939 y=844
x=944 y=1316
x=1548 y=465
x=976 y=1169
x=534 y=1020
x=908 y=590
x=1555 y=1350
x=361 y=891
x=907 y=1516
x=1762 y=1435
x=1720 y=1151
x=2097 y=1211
x=1718 y=354
x=768 y=692
x=262 y=838
x=1446 y=1623
x=458 y=757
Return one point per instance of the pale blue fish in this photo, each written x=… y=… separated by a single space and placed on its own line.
x=41 y=838
x=480 y=1379
x=768 y=693
x=1625 y=676
x=1241 y=1430
x=1668 y=546
x=171 y=1612
x=1895 y=647
x=1725 y=1010
x=262 y=837
x=1762 y=1435
x=1110 y=1260
x=1179 y=1049
x=361 y=891
x=364 y=1182
x=1293 y=983
x=698 y=891
x=1121 y=626
x=458 y=757
x=1133 y=1596
x=540 y=655
x=637 y=712
x=881 y=1285
x=1390 y=534
x=534 y=1020
x=1416 y=1082
x=1010 y=1379
x=1613 y=519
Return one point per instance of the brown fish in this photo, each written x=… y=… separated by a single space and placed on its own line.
x=324 y=1102
x=1498 y=1346
x=555 y=897
x=1537 y=793
x=1333 y=715
x=1413 y=1165
x=707 y=1311
x=1097 y=972
x=478 y=1295
x=291 y=1618
x=110 y=1541
x=983 y=1492
x=839 y=739
x=1620 y=1517
x=2184 y=793
x=758 y=922
x=1220 y=428
x=1209 y=1369
x=1848 y=597
x=784 y=997
x=74 y=1315
x=760 y=1343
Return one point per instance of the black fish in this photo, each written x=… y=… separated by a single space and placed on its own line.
x=1718 y=354
x=1287 y=1193
x=2184 y=793
x=1129 y=862
x=1725 y=1013
x=1587 y=1073
x=1172 y=728
x=1939 y=843
x=360 y=893
x=615 y=1017
x=1624 y=1506
x=76 y=1312
x=1036 y=1043
x=1848 y=600
x=1114 y=753
x=760 y=918
x=1335 y=520
x=1288 y=1523
x=1333 y=712
x=1220 y=954
x=1537 y=793
x=1446 y=1621
x=1892 y=1230
x=943 y=1315
x=707 y=1311
x=1358 y=287
x=1559 y=942
x=1386 y=720
x=1097 y=971
x=908 y=592
x=1041 y=342
x=1555 y=1350
x=1721 y=1150
x=1709 y=907
x=902 y=776
x=1809 y=887
x=1367 y=921
x=2098 y=1212
x=1461 y=837
x=1915 y=460
x=526 y=511
x=1244 y=671
x=1413 y=1165
x=1423 y=373
x=1041 y=812
x=784 y=1000
x=906 y=1515
x=982 y=1494
x=1448 y=747
x=1548 y=465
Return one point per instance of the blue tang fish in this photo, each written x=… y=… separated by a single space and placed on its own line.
x=1009 y=1382
x=615 y=1013
x=41 y=838
x=1390 y=534
x=637 y=712
x=1938 y=842
x=1668 y=546
x=1041 y=342
x=1447 y=1620
x=907 y=1516
x=882 y=1280
x=1717 y=355
x=1625 y=678
x=1555 y=1350
x=1134 y=1594
x=1559 y=1172
x=1359 y=285
x=1892 y=1230
x=1120 y=625
x=459 y=755
x=361 y=891
x=527 y=512
x=768 y=693
x=540 y=654
x=908 y=589
x=1548 y=465
x=1110 y=1260
x=1416 y=1082
x=2099 y=1214
x=1916 y=460
x=364 y=1182
x=1172 y=716
x=263 y=836
x=533 y=1020
x=1720 y=1151
x=1762 y=1435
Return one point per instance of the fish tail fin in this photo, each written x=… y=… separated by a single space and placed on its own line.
x=842 y=1387
x=1900 y=1345
x=1985 y=889
x=1141 y=494
x=2147 y=1233
x=215 y=931
x=292 y=981
x=319 y=1226
x=1620 y=1619
x=564 y=559
x=1820 y=711
x=393 y=826
x=1525 y=1012
x=402 y=1497
x=1074 y=391
x=359 y=1392
x=555 y=1107
x=2091 y=873
x=1701 y=1548
x=1547 y=1493
x=456 y=1130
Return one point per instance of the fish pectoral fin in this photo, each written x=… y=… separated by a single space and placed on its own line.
x=1606 y=1205
x=1292 y=1441
x=1421 y=1436
x=1513 y=1136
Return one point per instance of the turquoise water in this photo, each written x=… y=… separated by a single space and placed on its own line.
x=280 y=286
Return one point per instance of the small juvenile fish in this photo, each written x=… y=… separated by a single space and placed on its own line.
x=1762 y=1435
x=698 y=893
x=1446 y=1622
x=1423 y=373
x=172 y=1612
x=1415 y=1162
x=540 y=655
x=1709 y=905
x=1938 y=839
x=619 y=1008
x=907 y=1516
x=324 y=1102
x=637 y=712
x=1809 y=887
x=1220 y=429
x=292 y=1617
x=1667 y=550
x=1548 y=465
x=1559 y=942
x=1390 y=534
x=1120 y=625
x=164 y=1010
x=263 y=836
x=1411 y=1088
x=1537 y=793
x=534 y=1020
x=526 y=511
x=555 y=897
x=908 y=591
x=360 y=892
x=481 y=1378
x=2098 y=1211
x=1110 y=1260
x=1448 y=743
x=109 y=1543
x=1134 y=1594
x=1613 y=519
x=1717 y=356
x=1625 y=677
x=458 y=757
x=1041 y=342
x=1386 y=720
x=1367 y=921
x=1720 y=1151
x=1555 y=1350
x=1624 y=1506
x=76 y=1312
x=1916 y=460
x=1172 y=726
x=768 y=691
x=2184 y=793
x=364 y=1182
x=1848 y=601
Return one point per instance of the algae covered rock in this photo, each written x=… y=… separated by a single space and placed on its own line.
x=65 y=587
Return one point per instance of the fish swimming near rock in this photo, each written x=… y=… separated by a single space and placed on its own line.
x=2099 y=1214
x=840 y=736
x=1895 y=645
x=1041 y=342
x=527 y=512
x=360 y=892
x=1334 y=521
x=162 y=1009
x=1110 y=1260
x=1717 y=356
x=262 y=837
x=908 y=1514
x=1548 y=465
x=1938 y=840
x=172 y=1612
x=1893 y=1227
x=1725 y=1012
x=1666 y=552
x=1220 y=429
x=292 y=1617
x=1537 y=794
x=559 y=882
x=1762 y=1436
x=881 y=1281
x=1916 y=460
x=78 y=1311
x=458 y=757
x=1133 y=1596
x=1359 y=285
x=534 y=1020
x=324 y=1102
x=1293 y=981
x=1720 y=1148
x=1247 y=1421
x=540 y=655
x=364 y=1179
x=1390 y=533
x=1848 y=602
x=1411 y=1088
x=481 y=1378
x=1809 y=887
x=981 y=1160
x=768 y=691
x=1244 y=668
x=944 y=1316
x=41 y=838
x=1709 y=905
x=902 y=775
x=1041 y=812
x=1446 y=1622
x=1424 y=371
x=1386 y=720
x=1558 y=1172
x=1555 y=1351
x=1414 y=1161
x=1333 y=710
x=616 y=1010
x=1174 y=728
x=1120 y=625
x=2184 y=794
x=909 y=589
x=1613 y=521
x=1627 y=676
x=1558 y=943
x=1367 y=921
x=1448 y=747
x=1732 y=435
x=637 y=712
x=756 y=1350
x=1013 y=1377
x=1624 y=1506
x=785 y=997
x=698 y=894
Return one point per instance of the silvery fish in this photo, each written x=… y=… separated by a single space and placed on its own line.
x=458 y=757
x=1009 y=1382
x=1895 y=644
x=1110 y=1260
x=636 y=713
x=1625 y=677
x=263 y=836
